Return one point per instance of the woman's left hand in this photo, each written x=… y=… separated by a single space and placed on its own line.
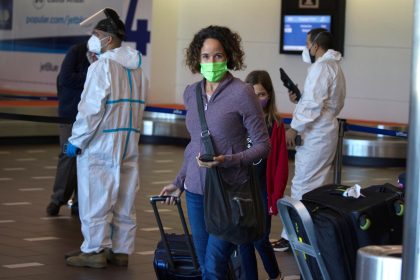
x=209 y=164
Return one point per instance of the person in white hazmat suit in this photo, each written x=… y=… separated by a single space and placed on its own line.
x=105 y=140
x=315 y=115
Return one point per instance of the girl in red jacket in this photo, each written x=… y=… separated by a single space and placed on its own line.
x=272 y=174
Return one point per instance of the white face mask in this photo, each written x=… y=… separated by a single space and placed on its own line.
x=94 y=44
x=306 y=57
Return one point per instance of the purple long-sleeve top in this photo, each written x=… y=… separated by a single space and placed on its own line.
x=233 y=112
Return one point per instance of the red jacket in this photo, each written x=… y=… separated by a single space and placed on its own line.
x=277 y=167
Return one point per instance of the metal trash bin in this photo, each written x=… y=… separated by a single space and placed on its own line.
x=379 y=263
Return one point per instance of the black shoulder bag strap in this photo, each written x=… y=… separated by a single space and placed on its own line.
x=205 y=133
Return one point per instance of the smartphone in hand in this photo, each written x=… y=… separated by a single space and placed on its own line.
x=289 y=84
x=206 y=158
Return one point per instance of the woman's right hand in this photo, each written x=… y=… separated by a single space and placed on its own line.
x=171 y=190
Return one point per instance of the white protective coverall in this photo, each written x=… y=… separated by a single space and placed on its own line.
x=107 y=130
x=315 y=119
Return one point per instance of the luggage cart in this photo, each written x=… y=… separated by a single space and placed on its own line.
x=302 y=237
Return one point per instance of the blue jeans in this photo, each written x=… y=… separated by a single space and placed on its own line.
x=264 y=248
x=213 y=253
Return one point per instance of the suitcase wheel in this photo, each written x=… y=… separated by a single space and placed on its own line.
x=399 y=208
x=364 y=222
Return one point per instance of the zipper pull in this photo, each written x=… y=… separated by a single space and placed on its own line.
x=238 y=200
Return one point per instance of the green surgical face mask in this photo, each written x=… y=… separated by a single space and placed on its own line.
x=213 y=72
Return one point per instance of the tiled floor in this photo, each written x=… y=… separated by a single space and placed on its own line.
x=32 y=245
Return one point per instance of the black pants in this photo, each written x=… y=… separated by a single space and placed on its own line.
x=66 y=176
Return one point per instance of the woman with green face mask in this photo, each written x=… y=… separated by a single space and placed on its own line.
x=213 y=65
x=232 y=113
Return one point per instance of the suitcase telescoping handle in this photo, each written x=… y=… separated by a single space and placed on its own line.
x=190 y=244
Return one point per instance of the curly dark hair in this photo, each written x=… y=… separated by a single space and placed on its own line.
x=230 y=41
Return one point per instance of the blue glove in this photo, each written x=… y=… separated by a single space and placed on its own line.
x=71 y=150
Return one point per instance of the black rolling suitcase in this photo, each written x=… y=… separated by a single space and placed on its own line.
x=181 y=262
x=174 y=255
x=343 y=225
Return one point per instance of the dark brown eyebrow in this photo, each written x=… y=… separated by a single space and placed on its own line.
x=217 y=53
